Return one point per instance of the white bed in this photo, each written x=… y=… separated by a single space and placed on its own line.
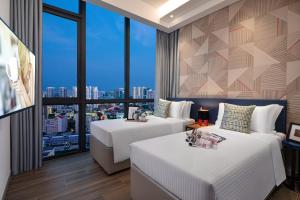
x=118 y=134
x=244 y=166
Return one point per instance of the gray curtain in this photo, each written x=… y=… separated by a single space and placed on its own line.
x=26 y=126
x=167 y=64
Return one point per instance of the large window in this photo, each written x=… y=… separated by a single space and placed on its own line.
x=59 y=57
x=104 y=54
x=92 y=60
x=62 y=127
x=142 y=60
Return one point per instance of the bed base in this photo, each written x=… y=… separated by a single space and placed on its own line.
x=143 y=187
x=104 y=156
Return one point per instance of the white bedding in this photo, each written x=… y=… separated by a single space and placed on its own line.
x=244 y=166
x=119 y=134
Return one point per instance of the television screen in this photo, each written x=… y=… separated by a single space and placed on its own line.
x=17 y=73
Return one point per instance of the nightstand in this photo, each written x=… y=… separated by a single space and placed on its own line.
x=195 y=126
x=293 y=149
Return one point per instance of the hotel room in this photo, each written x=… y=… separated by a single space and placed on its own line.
x=150 y=99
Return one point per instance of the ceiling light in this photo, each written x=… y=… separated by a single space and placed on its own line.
x=170 y=5
x=171 y=16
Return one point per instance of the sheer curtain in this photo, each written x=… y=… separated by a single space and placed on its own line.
x=167 y=64
x=26 y=126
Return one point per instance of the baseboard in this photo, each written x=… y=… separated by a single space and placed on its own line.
x=6 y=187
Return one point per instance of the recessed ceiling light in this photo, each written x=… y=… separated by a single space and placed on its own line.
x=169 y=6
x=171 y=16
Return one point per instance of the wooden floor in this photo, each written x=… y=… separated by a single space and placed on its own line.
x=79 y=177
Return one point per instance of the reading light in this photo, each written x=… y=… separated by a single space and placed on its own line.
x=203 y=117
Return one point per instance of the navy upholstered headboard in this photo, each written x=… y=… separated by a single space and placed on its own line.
x=213 y=105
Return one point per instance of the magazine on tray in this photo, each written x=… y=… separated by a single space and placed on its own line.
x=220 y=138
x=203 y=139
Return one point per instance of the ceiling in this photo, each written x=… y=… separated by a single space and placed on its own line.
x=166 y=15
x=155 y=3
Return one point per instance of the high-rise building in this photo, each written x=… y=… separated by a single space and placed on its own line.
x=49 y=110
x=144 y=92
x=62 y=92
x=88 y=92
x=119 y=93
x=101 y=94
x=62 y=123
x=69 y=92
x=149 y=94
x=50 y=92
x=74 y=91
x=134 y=92
x=140 y=92
x=95 y=93
x=137 y=92
x=57 y=124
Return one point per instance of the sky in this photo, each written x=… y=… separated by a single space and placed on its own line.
x=104 y=49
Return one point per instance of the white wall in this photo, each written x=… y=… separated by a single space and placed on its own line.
x=4 y=152
x=4 y=123
x=4 y=10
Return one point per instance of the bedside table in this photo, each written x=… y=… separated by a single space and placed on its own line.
x=293 y=148
x=195 y=126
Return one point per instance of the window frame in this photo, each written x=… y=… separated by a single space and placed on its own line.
x=64 y=9
x=81 y=100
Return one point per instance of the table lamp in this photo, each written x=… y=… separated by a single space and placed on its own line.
x=203 y=117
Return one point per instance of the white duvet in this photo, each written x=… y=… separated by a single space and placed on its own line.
x=119 y=133
x=243 y=167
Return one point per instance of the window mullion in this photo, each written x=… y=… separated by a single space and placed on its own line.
x=127 y=64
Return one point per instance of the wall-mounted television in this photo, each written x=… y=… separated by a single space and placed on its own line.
x=17 y=73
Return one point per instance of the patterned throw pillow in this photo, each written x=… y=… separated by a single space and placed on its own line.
x=237 y=118
x=162 y=108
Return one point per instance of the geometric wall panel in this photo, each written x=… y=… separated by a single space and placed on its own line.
x=222 y=34
x=250 y=49
x=235 y=74
x=249 y=24
x=293 y=71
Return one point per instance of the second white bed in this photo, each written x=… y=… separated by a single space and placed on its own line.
x=119 y=134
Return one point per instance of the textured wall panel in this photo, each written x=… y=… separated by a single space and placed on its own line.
x=250 y=49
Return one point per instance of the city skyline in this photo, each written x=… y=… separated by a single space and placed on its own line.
x=93 y=92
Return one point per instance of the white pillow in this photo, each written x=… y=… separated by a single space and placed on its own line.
x=176 y=109
x=186 y=113
x=276 y=115
x=220 y=115
x=165 y=100
x=264 y=118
